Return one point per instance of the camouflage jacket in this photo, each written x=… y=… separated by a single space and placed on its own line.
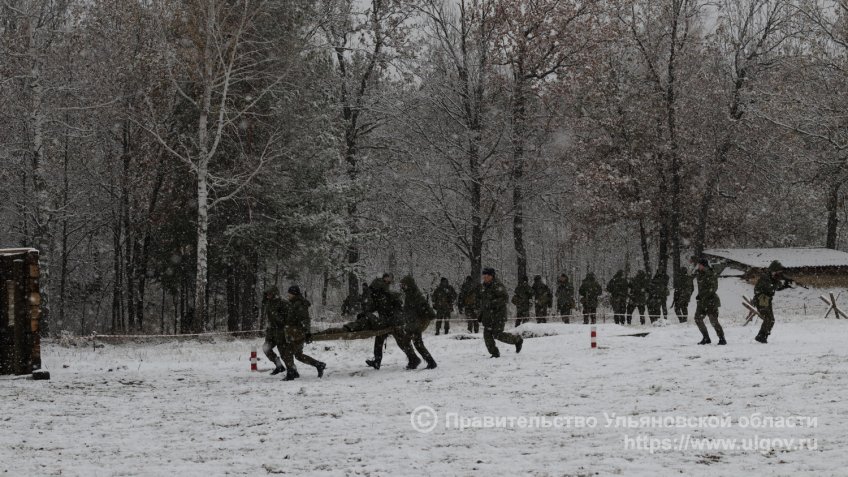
x=590 y=290
x=617 y=287
x=542 y=294
x=417 y=312
x=521 y=298
x=493 y=301
x=637 y=288
x=707 y=289
x=298 y=324
x=565 y=295
x=468 y=296
x=444 y=296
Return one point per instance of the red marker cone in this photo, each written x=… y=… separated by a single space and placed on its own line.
x=253 y=359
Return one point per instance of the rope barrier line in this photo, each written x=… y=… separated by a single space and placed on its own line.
x=96 y=336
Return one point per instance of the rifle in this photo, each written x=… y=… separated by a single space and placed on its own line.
x=788 y=282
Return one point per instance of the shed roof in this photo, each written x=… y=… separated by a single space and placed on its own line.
x=16 y=251
x=800 y=257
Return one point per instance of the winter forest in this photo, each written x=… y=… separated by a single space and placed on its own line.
x=170 y=159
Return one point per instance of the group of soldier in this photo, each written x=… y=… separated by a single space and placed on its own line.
x=626 y=296
x=408 y=314
x=288 y=329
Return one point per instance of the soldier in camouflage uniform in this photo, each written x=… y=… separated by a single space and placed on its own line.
x=708 y=302
x=657 y=295
x=565 y=298
x=771 y=280
x=388 y=305
x=417 y=315
x=521 y=299
x=297 y=331
x=493 y=313
x=617 y=288
x=590 y=291
x=444 y=296
x=683 y=289
x=542 y=299
x=637 y=289
x=274 y=310
x=467 y=303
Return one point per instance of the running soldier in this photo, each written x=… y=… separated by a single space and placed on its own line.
x=417 y=316
x=297 y=331
x=274 y=310
x=493 y=314
x=389 y=307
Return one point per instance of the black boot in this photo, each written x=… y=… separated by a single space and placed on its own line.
x=705 y=341
x=431 y=364
x=373 y=363
x=762 y=339
x=414 y=364
x=721 y=341
x=519 y=345
x=291 y=375
x=279 y=367
x=320 y=367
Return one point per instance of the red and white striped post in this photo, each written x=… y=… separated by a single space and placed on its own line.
x=253 y=359
x=594 y=337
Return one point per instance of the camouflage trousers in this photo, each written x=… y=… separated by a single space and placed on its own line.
x=473 y=324
x=619 y=308
x=565 y=313
x=268 y=349
x=681 y=308
x=541 y=314
x=522 y=316
x=443 y=317
x=767 y=314
x=404 y=342
x=497 y=333
x=712 y=313
x=294 y=350
x=631 y=307
x=590 y=314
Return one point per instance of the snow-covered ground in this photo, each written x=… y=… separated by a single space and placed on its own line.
x=195 y=409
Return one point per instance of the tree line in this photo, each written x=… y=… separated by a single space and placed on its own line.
x=170 y=159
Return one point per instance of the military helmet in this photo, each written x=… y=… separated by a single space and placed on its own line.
x=775 y=266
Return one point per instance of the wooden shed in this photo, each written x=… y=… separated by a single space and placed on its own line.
x=810 y=266
x=20 y=311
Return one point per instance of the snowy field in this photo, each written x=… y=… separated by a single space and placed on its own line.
x=195 y=409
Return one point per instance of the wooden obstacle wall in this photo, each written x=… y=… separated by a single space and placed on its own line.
x=20 y=311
